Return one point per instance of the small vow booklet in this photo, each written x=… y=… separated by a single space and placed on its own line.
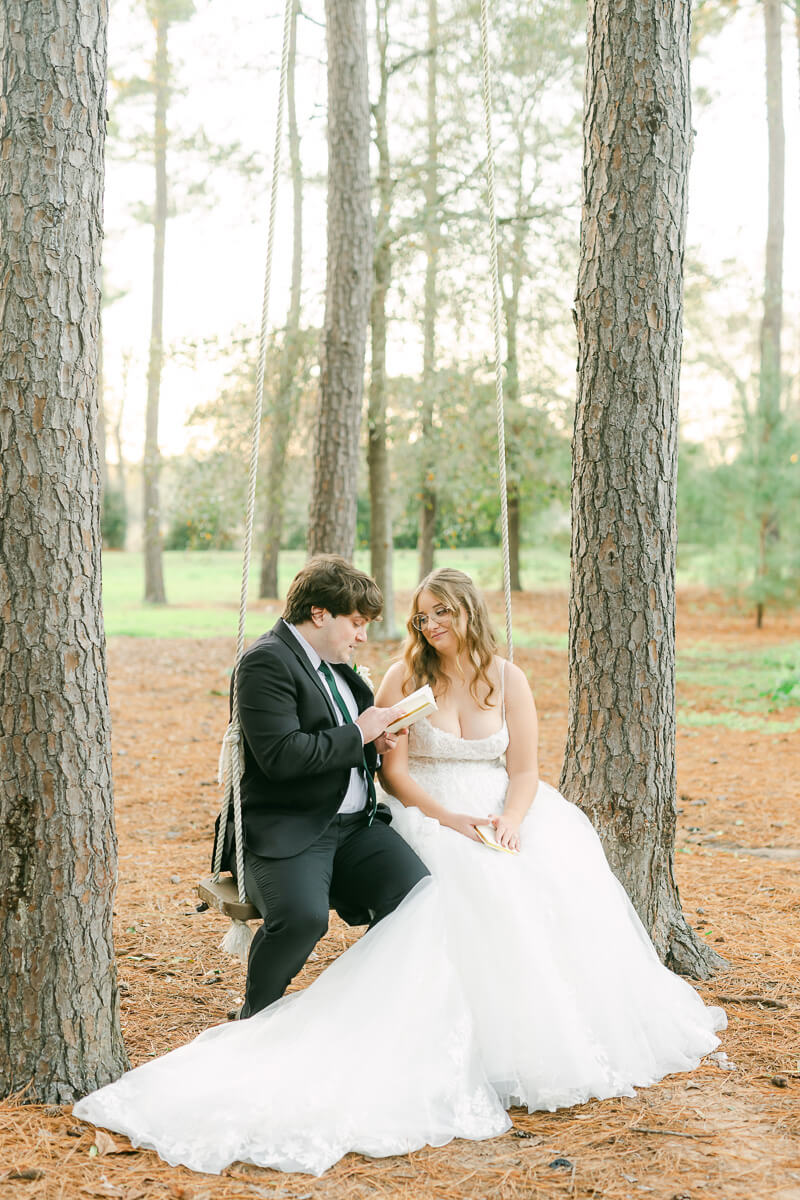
x=418 y=704
x=488 y=835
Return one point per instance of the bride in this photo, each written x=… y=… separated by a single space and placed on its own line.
x=567 y=994
x=512 y=976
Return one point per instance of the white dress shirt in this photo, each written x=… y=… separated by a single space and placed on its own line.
x=355 y=798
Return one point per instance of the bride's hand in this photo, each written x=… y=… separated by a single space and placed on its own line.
x=507 y=830
x=462 y=823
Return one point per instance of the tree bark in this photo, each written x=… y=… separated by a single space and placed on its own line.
x=620 y=756
x=151 y=468
x=59 y=1006
x=380 y=491
x=427 y=517
x=282 y=413
x=332 y=520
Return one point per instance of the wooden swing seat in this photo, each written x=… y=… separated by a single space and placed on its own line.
x=224 y=896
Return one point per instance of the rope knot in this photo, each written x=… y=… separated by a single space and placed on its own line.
x=231 y=751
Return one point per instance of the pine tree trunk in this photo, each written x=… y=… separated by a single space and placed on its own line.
x=511 y=315
x=101 y=431
x=332 y=519
x=377 y=448
x=59 y=1006
x=121 y=482
x=151 y=468
x=770 y=365
x=769 y=400
x=428 y=498
x=118 y=437
x=620 y=757
x=514 y=520
x=283 y=411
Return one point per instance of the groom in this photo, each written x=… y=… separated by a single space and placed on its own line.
x=314 y=837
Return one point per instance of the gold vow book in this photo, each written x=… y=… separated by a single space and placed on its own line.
x=415 y=706
x=488 y=836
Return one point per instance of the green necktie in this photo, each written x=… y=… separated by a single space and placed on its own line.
x=345 y=711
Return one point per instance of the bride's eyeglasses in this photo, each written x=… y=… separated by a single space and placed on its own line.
x=441 y=616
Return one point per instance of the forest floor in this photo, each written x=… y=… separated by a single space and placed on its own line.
x=715 y=1134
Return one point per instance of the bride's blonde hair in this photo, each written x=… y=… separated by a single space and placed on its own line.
x=457 y=593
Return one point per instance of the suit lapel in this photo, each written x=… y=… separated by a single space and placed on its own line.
x=290 y=641
x=361 y=691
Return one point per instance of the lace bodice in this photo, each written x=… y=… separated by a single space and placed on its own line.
x=426 y=741
x=463 y=774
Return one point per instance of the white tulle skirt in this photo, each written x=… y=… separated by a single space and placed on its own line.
x=502 y=980
x=568 y=997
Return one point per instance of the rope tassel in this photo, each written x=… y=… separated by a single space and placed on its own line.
x=237 y=940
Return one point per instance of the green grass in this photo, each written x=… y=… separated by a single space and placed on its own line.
x=203 y=588
x=744 y=722
x=746 y=685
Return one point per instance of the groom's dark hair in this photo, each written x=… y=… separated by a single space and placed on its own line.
x=328 y=581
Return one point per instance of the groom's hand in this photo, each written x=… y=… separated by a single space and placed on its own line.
x=373 y=721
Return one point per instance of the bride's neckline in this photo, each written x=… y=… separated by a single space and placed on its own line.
x=459 y=737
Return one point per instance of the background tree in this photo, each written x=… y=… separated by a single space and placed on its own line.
x=284 y=406
x=101 y=433
x=540 y=57
x=427 y=508
x=113 y=503
x=332 y=519
x=727 y=483
x=59 y=1005
x=185 y=162
x=769 y=393
x=380 y=544
x=619 y=763
x=163 y=14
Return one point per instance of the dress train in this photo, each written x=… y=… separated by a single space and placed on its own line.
x=378 y=1056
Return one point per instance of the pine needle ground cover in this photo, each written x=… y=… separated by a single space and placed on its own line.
x=718 y=1134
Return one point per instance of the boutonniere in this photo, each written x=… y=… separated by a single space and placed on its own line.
x=363 y=673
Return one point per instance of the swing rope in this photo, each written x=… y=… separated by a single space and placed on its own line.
x=232 y=754
x=498 y=360
x=231 y=763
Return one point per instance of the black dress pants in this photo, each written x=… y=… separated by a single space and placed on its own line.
x=363 y=871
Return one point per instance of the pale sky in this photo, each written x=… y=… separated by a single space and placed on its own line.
x=215 y=255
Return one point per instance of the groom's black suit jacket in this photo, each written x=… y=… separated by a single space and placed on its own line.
x=297 y=758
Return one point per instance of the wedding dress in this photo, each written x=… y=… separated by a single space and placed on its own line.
x=568 y=997
x=503 y=980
